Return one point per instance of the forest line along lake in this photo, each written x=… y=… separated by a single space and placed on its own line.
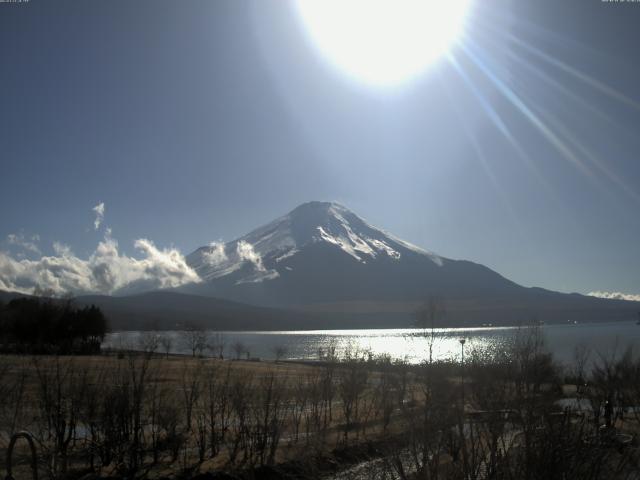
x=408 y=344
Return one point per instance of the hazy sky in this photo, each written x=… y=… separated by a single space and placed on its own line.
x=196 y=121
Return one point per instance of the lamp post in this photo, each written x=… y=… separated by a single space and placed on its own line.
x=462 y=342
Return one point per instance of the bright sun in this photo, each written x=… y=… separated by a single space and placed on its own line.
x=383 y=42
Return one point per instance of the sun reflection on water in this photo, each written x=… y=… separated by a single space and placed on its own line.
x=411 y=345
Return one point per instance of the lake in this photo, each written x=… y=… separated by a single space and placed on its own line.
x=407 y=344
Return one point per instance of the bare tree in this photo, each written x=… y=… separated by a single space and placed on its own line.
x=217 y=405
x=267 y=412
x=386 y=393
x=608 y=384
x=194 y=338
x=217 y=345
x=239 y=349
x=149 y=343
x=191 y=389
x=279 y=352
x=352 y=381
x=240 y=393
x=166 y=342
x=61 y=388
x=314 y=411
x=12 y=391
x=299 y=405
x=428 y=317
x=137 y=384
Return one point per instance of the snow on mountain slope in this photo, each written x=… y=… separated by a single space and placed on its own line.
x=260 y=255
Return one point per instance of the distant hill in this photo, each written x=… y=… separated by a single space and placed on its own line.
x=163 y=310
x=172 y=310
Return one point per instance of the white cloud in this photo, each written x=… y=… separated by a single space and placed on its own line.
x=167 y=267
x=246 y=252
x=60 y=274
x=216 y=254
x=99 y=210
x=616 y=296
x=19 y=240
x=106 y=271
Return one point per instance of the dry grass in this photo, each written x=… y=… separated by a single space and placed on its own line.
x=136 y=414
x=172 y=378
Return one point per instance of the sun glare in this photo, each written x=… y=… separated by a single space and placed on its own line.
x=383 y=42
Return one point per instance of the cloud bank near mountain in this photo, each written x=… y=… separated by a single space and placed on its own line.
x=106 y=271
x=616 y=296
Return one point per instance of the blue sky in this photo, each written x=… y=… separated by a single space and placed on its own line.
x=197 y=121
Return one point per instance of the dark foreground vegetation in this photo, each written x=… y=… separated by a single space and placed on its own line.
x=50 y=326
x=506 y=413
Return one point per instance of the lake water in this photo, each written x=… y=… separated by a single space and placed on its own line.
x=407 y=344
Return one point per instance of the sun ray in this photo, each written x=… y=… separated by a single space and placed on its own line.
x=547 y=79
x=559 y=126
x=522 y=107
x=576 y=73
x=495 y=117
x=557 y=132
x=482 y=157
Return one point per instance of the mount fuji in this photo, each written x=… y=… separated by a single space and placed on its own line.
x=323 y=252
x=324 y=259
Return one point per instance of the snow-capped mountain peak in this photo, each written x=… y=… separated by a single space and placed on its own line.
x=268 y=252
